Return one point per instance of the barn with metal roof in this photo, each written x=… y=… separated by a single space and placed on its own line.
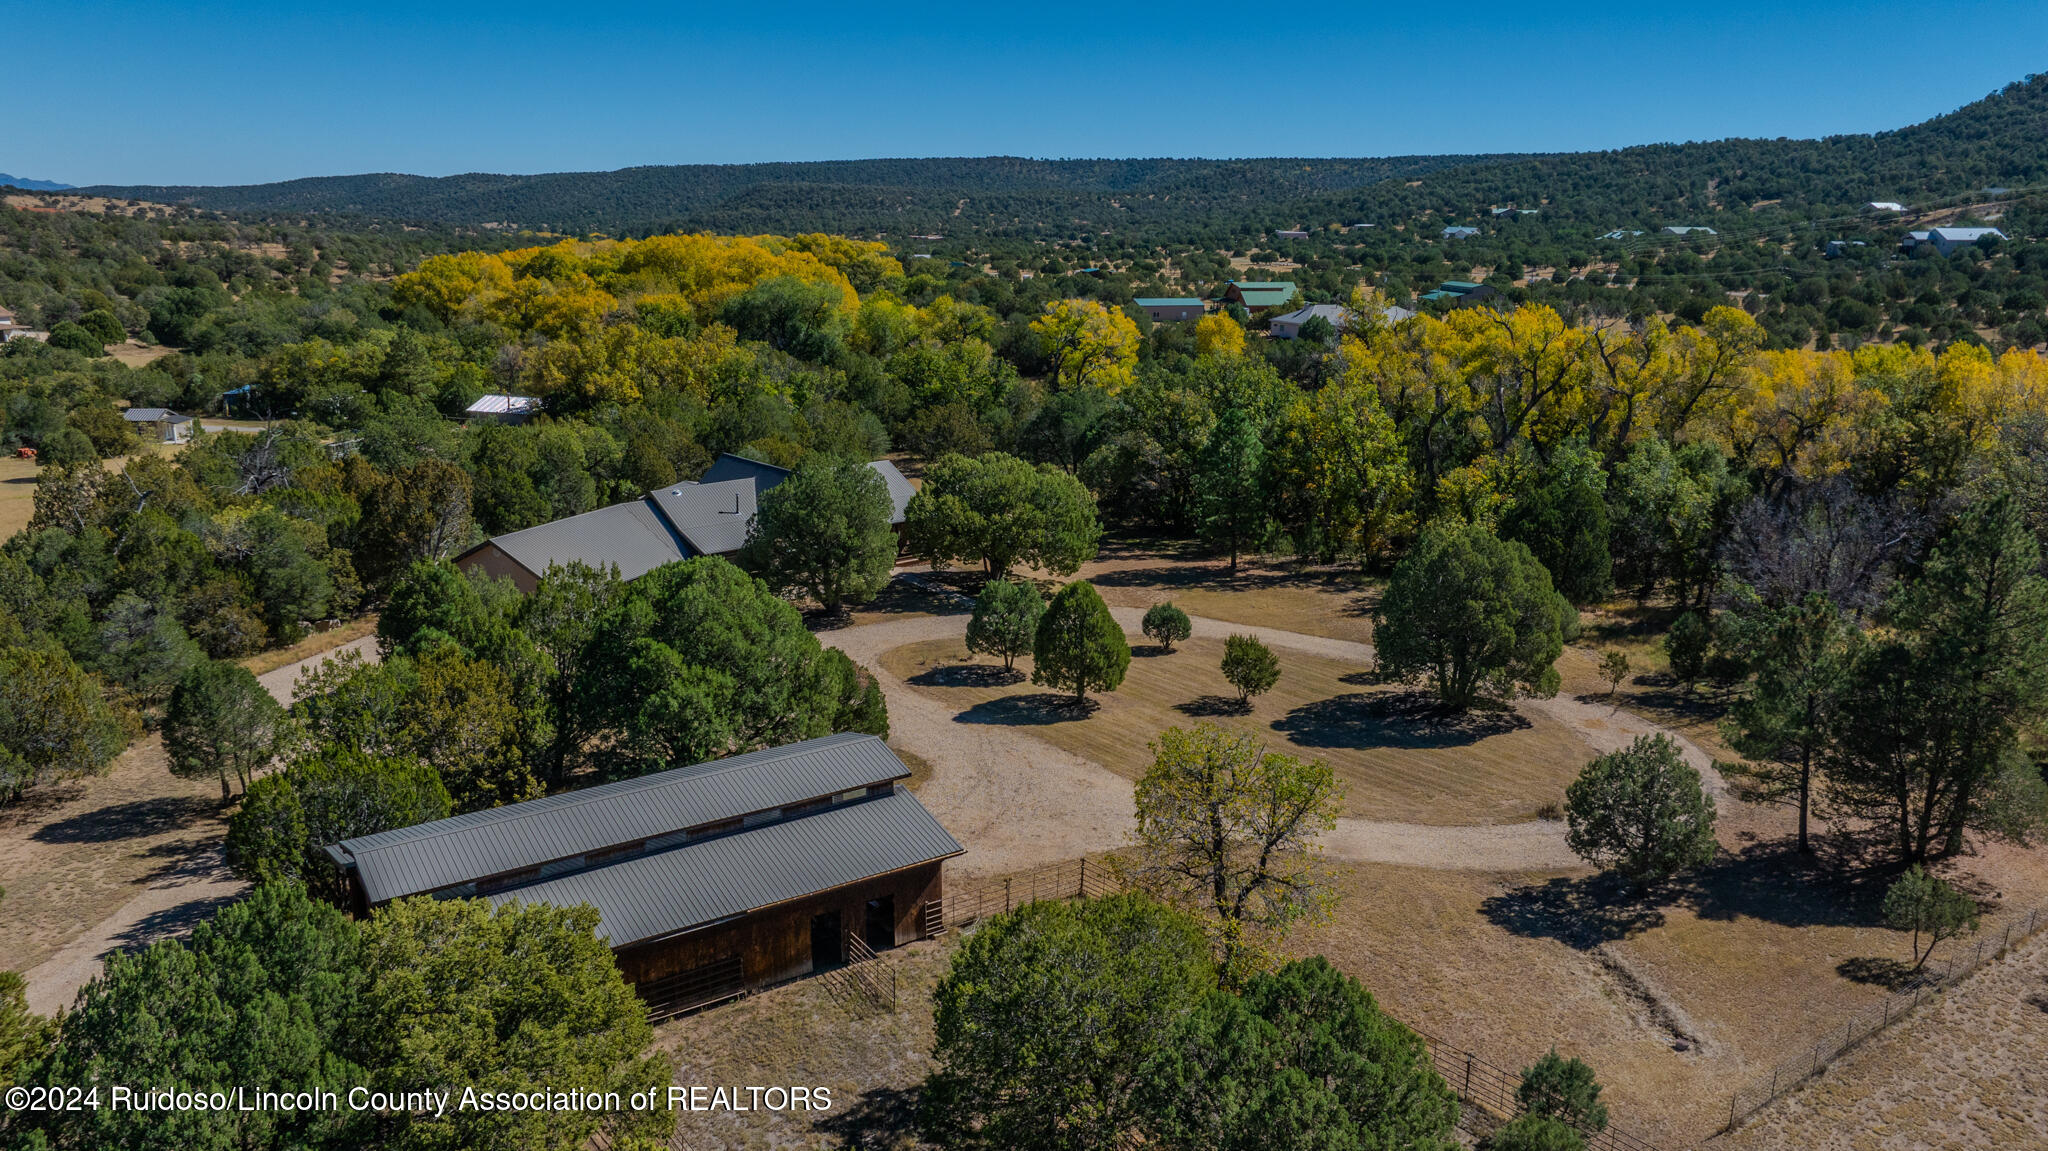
x=707 y=517
x=709 y=879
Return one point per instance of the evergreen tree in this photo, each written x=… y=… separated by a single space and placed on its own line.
x=1473 y=615
x=1165 y=624
x=221 y=722
x=1641 y=813
x=1231 y=505
x=824 y=533
x=1079 y=645
x=1005 y=621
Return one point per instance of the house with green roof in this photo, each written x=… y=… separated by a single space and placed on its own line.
x=1169 y=309
x=1460 y=293
x=1256 y=294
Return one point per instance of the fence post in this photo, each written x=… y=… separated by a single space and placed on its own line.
x=1083 y=892
x=1468 y=1075
x=1006 y=895
x=1731 y=1112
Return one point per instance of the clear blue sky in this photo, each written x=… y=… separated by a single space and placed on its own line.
x=235 y=92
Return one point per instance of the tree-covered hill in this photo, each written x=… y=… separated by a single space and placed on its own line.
x=1000 y=194
x=1999 y=140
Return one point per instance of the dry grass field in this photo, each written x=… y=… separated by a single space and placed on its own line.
x=17 y=494
x=1399 y=761
x=74 y=853
x=1969 y=1071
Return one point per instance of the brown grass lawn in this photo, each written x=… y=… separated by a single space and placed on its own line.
x=73 y=853
x=1332 y=602
x=17 y=494
x=1398 y=763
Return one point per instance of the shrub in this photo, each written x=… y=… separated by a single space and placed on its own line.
x=1641 y=812
x=1924 y=905
x=1166 y=624
x=1005 y=622
x=1250 y=666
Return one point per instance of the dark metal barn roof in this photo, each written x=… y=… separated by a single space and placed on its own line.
x=449 y=852
x=713 y=879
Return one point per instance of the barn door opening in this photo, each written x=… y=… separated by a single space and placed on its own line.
x=880 y=928
x=828 y=948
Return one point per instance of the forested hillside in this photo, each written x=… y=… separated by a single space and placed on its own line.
x=2000 y=140
x=998 y=195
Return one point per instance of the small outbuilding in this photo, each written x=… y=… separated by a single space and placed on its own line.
x=500 y=408
x=162 y=424
x=710 y=880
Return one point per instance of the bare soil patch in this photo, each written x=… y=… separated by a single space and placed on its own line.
x=137 y=354
x=1401 y=759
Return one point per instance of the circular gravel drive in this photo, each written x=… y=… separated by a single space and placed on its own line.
x=1016 y=801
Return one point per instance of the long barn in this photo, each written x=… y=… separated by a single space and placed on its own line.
x=711 y=879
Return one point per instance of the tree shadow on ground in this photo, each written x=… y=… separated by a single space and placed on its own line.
x=132 y=820
x=1769 y=881
x=1149 y=650
x=1214 y=705
x=187 y=861
x=1406 y=719
x=38 y=801
x=1579 y=913
x=172 y=921
x=881 y=1117
x=968 y=675
x=1890 y=974
x=1040 y=709
x=1658 y=692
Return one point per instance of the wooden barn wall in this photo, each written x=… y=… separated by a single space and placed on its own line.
x=775 y=944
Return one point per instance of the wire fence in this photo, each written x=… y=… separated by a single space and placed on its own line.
x=1797 y=1068
x=1492 y=1095
x=1068 y=879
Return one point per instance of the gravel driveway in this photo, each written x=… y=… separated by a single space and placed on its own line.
x=1017 y=801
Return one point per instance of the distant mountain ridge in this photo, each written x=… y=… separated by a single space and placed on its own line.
x=2001 y=139
x=28 y=185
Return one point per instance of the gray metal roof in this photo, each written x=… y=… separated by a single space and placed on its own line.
x=447 y=852
x=900 y=490
x=731 y=467
x=153 y=415
x=698 y=883
x=712 y=517
x=631 y=535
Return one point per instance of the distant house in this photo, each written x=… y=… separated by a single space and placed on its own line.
x=1460 y=293
x=1459 y=232
x=1288 y=327
x=1256 y=294
x=1619 y=234
x=1839 y=248
x=1170 y=309
x=1291 y=234
x=708 y=517
x=499 y=408
x=709 y=880
x=1503 y=211
x=13 y=329
x=1884 y=206
x=1946 y=240
x=1687 y=230
x=166 y=425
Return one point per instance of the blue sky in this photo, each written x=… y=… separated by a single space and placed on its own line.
x=233 y=92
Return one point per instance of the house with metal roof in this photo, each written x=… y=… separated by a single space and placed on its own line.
x=1254 y=294
x=1460 y=293
x=706 y=517
x=1459 y=232
x=503 y=409
x=1947 y=240
x=1170 y=309
x=165 y=425
x=1688 y=229
x=709 y=880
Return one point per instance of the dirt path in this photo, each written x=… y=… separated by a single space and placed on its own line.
x=1017 y=801
x=171 y=901
x=279 y=681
